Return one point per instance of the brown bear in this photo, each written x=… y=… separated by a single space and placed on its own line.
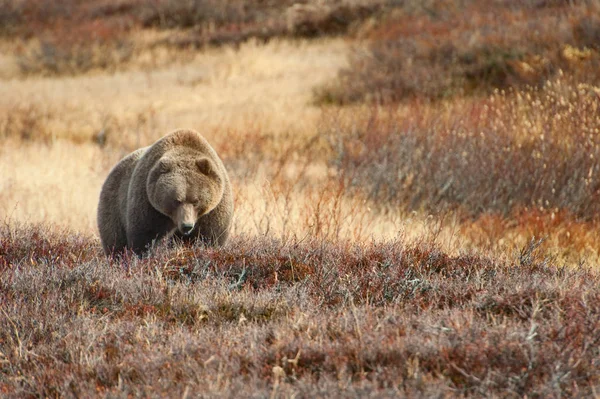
x=177 y=186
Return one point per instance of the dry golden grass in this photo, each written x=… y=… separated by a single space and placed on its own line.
x=61 y=136
x=266 y=86
x=56 y=184
x=52 y=127
x=219 y=92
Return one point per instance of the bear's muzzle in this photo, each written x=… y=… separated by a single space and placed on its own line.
x=185 y=218
x=186 y=228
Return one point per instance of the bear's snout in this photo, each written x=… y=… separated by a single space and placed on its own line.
x=186 y=228
x=185 y=218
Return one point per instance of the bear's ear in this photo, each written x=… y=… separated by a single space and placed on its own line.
x=164 y=165
x=204 y=166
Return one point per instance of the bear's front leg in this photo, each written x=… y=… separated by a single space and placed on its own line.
x=141 y=232
x=141 y=241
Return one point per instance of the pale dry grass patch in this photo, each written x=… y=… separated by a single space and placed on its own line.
x=308 y=203
x=257 y=85
x=558 y=235
x=8 y=66
x=57 y=184
x=319 y=211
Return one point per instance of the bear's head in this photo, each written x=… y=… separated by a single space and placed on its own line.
x=184 y=187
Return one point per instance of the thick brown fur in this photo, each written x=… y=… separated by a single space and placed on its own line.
x=177 y=186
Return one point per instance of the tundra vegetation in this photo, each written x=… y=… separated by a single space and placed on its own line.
x=416 y=189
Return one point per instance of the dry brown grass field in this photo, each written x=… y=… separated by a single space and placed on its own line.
x=416 y=198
